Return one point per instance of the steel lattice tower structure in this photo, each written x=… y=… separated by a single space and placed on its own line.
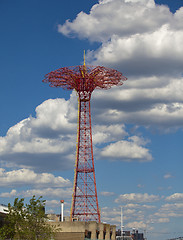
x=84 y=79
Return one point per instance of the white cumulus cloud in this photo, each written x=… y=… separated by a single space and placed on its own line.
x=175 y=197
x=170 y=210
x=45 y=192
x=137 y=198
x=44 y=142
x=132 y=150
x=136 y=224
x=144 y=41
x=29 y=177
x=106 y=194
x=119 y=17
x=167 y=175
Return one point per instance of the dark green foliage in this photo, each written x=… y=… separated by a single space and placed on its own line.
x=26 y=221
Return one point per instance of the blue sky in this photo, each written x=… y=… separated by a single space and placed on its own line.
x=137 y=128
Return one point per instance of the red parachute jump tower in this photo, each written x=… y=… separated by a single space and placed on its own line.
x=84 y=79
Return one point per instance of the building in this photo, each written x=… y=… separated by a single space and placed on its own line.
x=80 y=230
x=3 y=212
x=137 y=236
x=127 y=235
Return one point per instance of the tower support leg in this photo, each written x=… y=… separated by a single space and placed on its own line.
x=85 y=201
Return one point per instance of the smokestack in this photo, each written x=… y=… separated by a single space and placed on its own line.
x=62 y=210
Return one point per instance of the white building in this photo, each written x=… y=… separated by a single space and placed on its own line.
x=3 y=208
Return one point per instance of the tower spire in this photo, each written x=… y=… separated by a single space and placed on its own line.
x=84 y=58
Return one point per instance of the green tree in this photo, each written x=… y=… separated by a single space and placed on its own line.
x=26 y=221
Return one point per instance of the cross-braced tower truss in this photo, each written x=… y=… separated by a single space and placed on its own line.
x=84 y=79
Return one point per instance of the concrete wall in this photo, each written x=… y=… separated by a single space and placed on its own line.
x=69 y=236
x=79 y=230
x=69 y=226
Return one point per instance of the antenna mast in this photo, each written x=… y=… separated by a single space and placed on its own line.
x=122 y=226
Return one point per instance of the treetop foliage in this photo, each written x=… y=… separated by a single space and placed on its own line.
x=26 y=221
